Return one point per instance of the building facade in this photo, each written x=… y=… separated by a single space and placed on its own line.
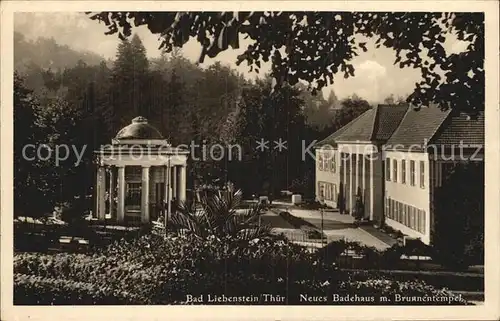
x=394 y=157
x=139 y=175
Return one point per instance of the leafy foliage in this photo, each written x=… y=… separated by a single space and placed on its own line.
x=31 y=176
x=458 y=236
x=299 y=45
x=272 y=117
x=217 y=216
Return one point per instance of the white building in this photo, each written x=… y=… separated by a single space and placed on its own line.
x=138 y=174
x=395 y=157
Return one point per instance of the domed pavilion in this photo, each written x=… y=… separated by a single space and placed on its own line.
x=139 y=175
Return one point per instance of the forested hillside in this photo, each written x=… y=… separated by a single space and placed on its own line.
x=47 y=53
x=64 y=96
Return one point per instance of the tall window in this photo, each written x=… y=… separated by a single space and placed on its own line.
x=412 y=173
x=328 y=192
x=388 y=169
x=395 y=170
x=403 y=171
x=320 y=161
x=160 y=193
x=422 y=174
x=321 y=190
x=334 y=162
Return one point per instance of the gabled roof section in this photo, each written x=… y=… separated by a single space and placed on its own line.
x=331 y=139
x=388 y=119
x=376 y=124
x=417 y=128
x=461 y=129
x=361 y=128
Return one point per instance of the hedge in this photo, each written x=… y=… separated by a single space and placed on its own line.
x=38 y=290
x=153 y=270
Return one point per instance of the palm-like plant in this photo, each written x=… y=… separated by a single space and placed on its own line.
x=218 y=216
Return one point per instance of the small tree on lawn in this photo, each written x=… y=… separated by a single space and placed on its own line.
x=341 y=199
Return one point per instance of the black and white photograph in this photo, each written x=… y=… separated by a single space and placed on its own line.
x=310 y=157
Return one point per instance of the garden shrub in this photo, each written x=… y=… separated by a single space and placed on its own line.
x=391 y=256
x=38 y=290
x=153 y=270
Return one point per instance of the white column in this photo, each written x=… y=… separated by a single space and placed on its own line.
x=175 y=189
x=182 y=183
x=97 y=187
x=168 y=188
x=344 y=182
x=344 y=170
x=363 y=185
x=363 y=177
x=101 y=193
x=145 y=195
x=358 y=161
x=351 y=183
x=372 y=186
x=111 y=191
x=120 y=217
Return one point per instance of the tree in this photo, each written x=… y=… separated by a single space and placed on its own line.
x=308 y=38
x=332 y=100
x=40 y=126
x=390 y=100
x=271 y=117
x=318 y=112
x=28 y=171
x=352 y=107
x=458 y=235
x=130 y=92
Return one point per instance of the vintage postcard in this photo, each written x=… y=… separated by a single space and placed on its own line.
x=250 y=160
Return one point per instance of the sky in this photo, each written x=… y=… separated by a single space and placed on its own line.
x=376 y=77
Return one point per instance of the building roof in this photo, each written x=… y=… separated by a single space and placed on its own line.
x=460 y=129
x=417 y=128
x=139 y=128
x=330 y=140
x=361 y=128
x=376 y=124
x=401 y=127
x=388 y=119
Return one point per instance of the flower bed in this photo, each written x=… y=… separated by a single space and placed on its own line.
x=153 y=270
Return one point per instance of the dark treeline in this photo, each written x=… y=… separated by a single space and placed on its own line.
x=84 y=103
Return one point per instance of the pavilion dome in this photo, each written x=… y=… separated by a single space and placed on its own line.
x=139 y=129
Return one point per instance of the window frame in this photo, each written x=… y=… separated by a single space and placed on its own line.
x=422 y=174
x=412 y=172
x=388 y=169
x=395 y=170
x=403 y=171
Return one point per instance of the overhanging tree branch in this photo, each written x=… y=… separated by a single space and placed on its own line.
x=318 y=46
